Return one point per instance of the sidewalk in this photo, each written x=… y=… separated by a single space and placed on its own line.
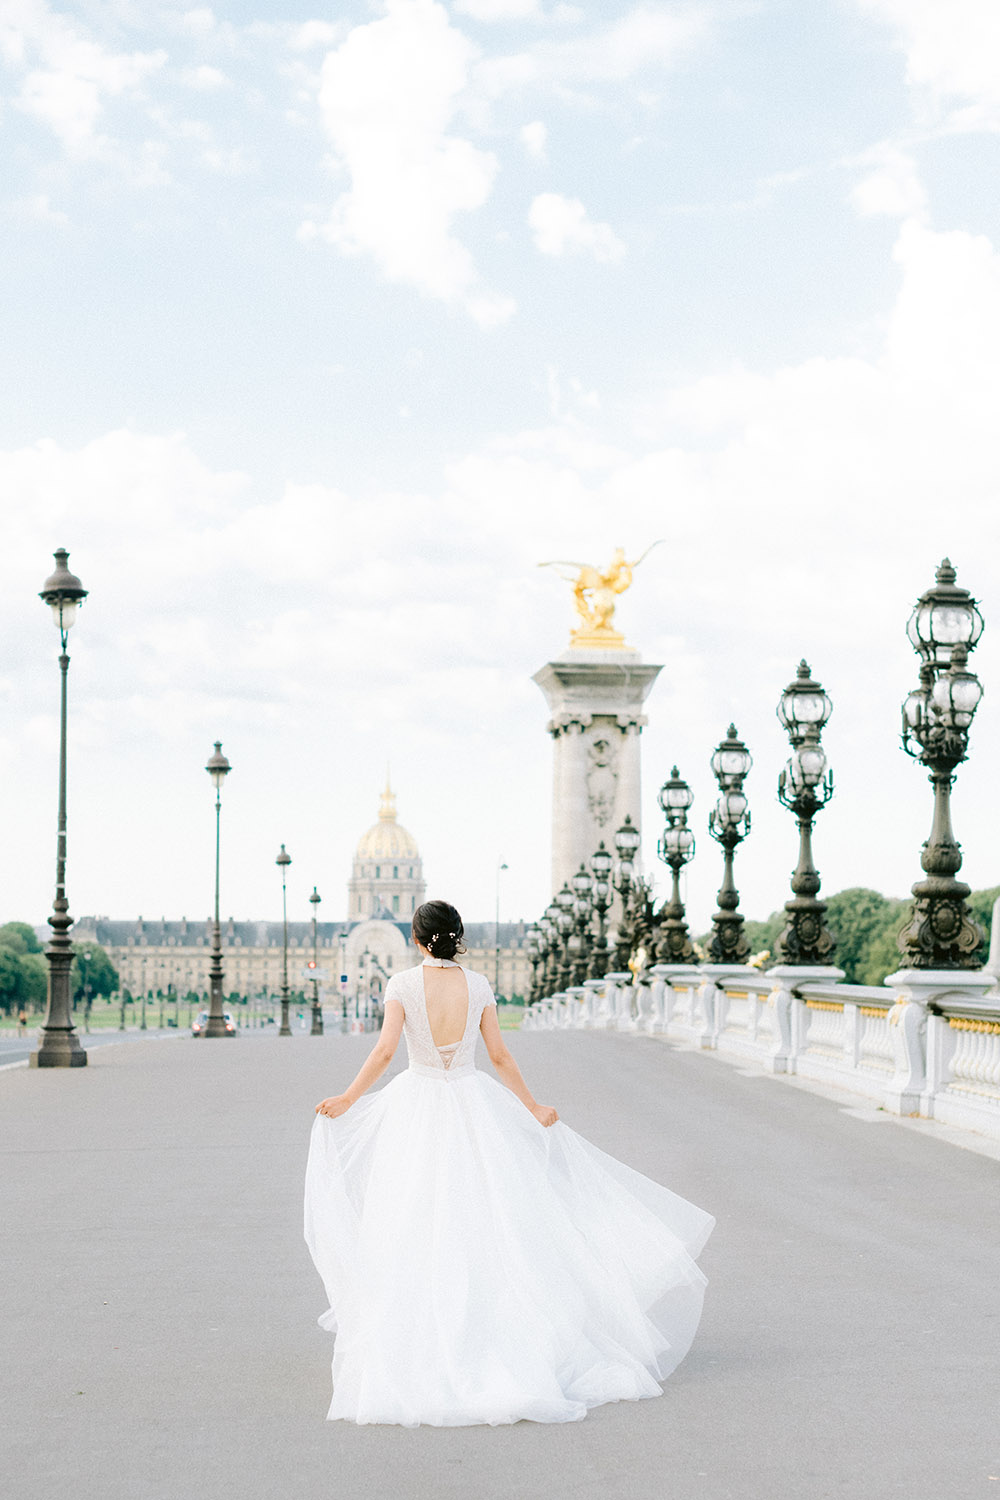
x=160 y=1306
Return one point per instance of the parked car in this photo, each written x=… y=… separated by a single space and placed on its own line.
x=200 y=1022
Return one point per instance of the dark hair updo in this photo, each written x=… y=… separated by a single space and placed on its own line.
x=438 y=927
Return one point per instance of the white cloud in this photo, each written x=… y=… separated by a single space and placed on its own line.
x=891 y=185
x=67 y=76
x=498 y=10
x=561 y=227
x=534 y=137
x=315 y=34
x=952 y=47
x=38 y=209
x=648 y=38
x=388 y=95
x=205 y=79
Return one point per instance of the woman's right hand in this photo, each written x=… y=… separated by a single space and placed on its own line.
x=544 y=1114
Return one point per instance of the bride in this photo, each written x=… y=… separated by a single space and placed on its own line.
x=482 y=1261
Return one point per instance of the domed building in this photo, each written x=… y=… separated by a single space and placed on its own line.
x=387 y=877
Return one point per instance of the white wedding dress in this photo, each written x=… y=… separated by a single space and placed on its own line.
x=479 y=1266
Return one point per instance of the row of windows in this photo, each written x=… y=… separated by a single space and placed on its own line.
x=395 y=873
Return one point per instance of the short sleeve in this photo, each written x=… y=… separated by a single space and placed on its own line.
x=394 y=991
x=488 y=996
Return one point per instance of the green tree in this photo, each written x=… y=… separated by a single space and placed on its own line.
x=23 y=979
x=19 y=938
x=98 y=971
x=981 y=903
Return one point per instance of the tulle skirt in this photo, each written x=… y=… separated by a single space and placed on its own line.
x=482 y=1268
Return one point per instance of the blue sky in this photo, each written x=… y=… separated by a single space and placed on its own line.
x=324 y=325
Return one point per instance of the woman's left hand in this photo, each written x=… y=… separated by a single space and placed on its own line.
x=338 y=1104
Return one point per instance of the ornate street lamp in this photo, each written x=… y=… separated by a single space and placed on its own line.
x=676 y=849
x=60 y=1047
x=804 y=787
x=218 y=769
x=548 y=942
x=317 y=1009
x=729 y=824
x=565 y=923
x=601 y=864
x=533 y=948
x=627 y=841
x=284 y=860
x=583 y=884
x=945 y=626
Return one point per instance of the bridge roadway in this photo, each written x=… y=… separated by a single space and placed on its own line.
x=159 y=1305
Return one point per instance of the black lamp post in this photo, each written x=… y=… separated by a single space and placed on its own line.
x=676 y=849
x=547 y=981
x=627 y=841
x=729 y=824
x=60 y=1047
x=601 y=865
x=218 y=768
x=565 y=923
x=945 y=626
x=533 y=948
x=583 y=911
x=85 y=957
x=317 y=1009
x=284 y=860
x=804 y=786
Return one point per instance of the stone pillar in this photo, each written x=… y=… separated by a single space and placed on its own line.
x=595 y=700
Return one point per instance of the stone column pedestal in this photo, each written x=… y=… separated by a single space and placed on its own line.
x=595 y=700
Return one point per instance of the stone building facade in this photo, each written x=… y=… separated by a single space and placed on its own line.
x=356 y=956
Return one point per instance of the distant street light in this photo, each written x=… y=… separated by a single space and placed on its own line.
x=945 y=626
x=583 y=912
x=805 y=786
x=60 y=1047
x=86 y=956
x=284 y=860
x=729 y=824
x=218 y=768
x=317 y=1009
x=565 y=922
x=676 y=849
x=627 y=842
x=496 y=934
x=601 y=865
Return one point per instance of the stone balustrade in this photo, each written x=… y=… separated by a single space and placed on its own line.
x=924 y=1043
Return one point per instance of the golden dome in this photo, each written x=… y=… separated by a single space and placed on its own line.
x=387 y=839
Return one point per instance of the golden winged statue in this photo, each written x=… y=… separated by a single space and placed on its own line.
x=595 y=591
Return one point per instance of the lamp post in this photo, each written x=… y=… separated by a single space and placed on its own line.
x=729 y=824
x=284 y=860
x=804 y=787
x=496 y=933
x=547 y=941
x=86 y=956
x=601 y=865
x=565 y=923
x=218 y=768
x=627 y=841
x=60 y=1047
x=945 y=626
x=317 y=1009
x=583 y=911
x=533 y=948
x=676 y=849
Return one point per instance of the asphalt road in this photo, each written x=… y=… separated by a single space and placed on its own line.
x=159 y=1305
x=17 y=1049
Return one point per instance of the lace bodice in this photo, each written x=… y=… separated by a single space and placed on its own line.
x=407 y=988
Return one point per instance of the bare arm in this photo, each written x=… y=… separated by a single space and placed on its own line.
x=507 y=1069
x=374 y=1065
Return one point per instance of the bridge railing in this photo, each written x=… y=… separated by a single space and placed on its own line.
x=921 y=1044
